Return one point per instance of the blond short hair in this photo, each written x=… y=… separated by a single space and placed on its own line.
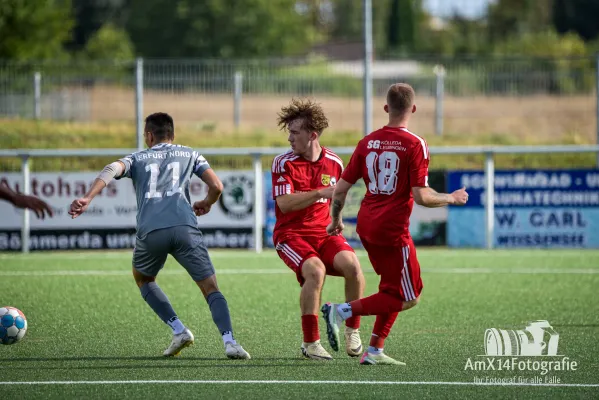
x=400 y=98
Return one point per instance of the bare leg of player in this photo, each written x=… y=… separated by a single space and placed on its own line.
x=347 y=264
x=313 y=272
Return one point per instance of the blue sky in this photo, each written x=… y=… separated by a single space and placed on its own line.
x=466 y=8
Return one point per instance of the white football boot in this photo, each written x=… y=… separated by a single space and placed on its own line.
x=234 y=351
x=315 y=351
x=353 y=342
x=178 y=343
x=378 y=359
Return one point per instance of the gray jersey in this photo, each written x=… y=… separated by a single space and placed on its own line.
x=161 y=177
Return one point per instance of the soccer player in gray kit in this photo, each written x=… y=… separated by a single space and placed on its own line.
x=167 y=224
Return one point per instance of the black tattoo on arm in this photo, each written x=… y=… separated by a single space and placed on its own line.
x=336 y=208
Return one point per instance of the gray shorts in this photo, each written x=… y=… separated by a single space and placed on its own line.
x=184 y=243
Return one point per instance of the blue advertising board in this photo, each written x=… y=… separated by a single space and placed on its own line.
x=533 y=208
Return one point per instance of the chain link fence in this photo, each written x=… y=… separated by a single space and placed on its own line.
x=457 y=96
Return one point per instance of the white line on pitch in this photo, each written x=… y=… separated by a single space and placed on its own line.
x=283 y=382
x=266 y=271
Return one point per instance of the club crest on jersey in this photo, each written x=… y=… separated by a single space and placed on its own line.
x=325 y=179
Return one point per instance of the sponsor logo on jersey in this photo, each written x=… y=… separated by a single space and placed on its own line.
x=237 y=200
x=325 y=179
x=281 y=179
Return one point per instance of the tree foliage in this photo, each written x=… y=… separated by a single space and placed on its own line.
x=109 y=43
x=218 y=28
x=34 y=29
x=580 y=16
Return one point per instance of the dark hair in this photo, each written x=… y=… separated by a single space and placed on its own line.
x=310 y=113
x=161 y=125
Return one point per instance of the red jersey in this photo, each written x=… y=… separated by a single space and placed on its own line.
x=391 y=161
x=295 y=174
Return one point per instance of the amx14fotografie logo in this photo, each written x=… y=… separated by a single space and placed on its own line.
x=532 y=349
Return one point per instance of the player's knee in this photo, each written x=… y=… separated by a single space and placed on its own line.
x=412 y=303
x=141 y=279
x=208 y=285
x=348 y=264
x=314 y=272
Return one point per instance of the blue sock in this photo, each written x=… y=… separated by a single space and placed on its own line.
x=158 y=301
x=220 y=315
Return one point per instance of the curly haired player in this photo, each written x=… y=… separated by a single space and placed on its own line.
x=303 y=180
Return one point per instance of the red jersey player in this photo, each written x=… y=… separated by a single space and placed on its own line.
x=303 y=180
x=393 y=162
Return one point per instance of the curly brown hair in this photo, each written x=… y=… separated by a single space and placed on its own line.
x=310 y=112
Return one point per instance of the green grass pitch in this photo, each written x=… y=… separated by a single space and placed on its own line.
x=88 y=322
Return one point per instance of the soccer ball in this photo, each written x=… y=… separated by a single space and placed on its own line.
x=13 y=325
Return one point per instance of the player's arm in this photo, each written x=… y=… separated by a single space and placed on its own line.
x=215 y=189
x=298 y=201
x=429 y=197
x=337 y=204
x=110 y=172
x=40 y=207
x=349 y=177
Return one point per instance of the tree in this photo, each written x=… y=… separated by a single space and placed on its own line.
x=578 y=16
x=91 y=15
x=218 y=28
x=109 y=43
x=508 y=18
x=404 y=18
x=34 y=29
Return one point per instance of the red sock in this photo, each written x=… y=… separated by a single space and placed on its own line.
x=377 y=304
x=382 y=327
x=353 y=322
x=310 y=328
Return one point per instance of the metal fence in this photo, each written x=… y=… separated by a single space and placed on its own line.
x=462 y=96
x=257 y=153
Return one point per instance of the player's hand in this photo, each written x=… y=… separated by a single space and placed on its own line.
x=460 y=197
x=78 y=207
x=335 y=227
x=201 y=207
x=40 y=207
x=327 y=193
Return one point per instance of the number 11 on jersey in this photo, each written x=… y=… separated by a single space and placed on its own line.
x=154 y=170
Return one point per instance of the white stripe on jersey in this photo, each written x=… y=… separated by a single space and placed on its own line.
x=334 y=158
x=422 y=142
x=279 y=161
x=283 y=161
x=275 y=162
x=280 y=190
x=330 y=153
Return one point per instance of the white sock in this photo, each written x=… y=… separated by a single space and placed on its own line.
x=177 y=326
x=228 y=337
x=344 y=311
x=374 y=350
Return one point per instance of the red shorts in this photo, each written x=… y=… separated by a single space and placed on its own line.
x=398 y=267
x=295 y=250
